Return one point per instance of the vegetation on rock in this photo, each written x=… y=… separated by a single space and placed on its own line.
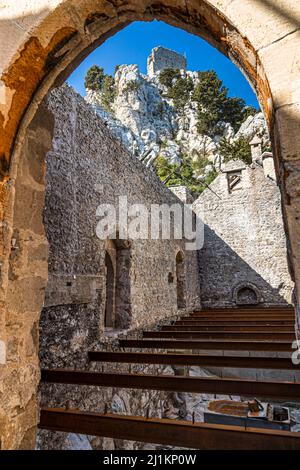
x=94 y=78
x=214 y=104
x=182 y=175
x=97 y=80
x=108 y=92
x=132 y=85
x=199 y=98
x=237 y=150
x=178 y=88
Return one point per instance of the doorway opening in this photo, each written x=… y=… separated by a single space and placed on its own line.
x=110 y=265
x=180 y=280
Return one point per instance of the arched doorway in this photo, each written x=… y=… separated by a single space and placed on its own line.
x=123 y=285
x=180 y=281
x=51 y=42
x=118 y=284
x=110 y=292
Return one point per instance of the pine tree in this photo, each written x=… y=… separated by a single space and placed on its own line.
x=94 y=78
x=214 y=104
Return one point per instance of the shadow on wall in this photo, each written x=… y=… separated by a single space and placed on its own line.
x=226 y=279
x=284 y=11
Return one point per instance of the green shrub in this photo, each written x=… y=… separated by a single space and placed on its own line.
x=116 y=69
x=178 y=175
x=178 y=88
x=167 y=76
x=108 y=92
x=237 y=150
x=132 y=85
x=181 y=92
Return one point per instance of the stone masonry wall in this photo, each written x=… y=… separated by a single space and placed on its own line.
x=244 y=239
x=87 y=167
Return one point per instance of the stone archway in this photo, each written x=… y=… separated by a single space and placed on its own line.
x=246 y=293
x=49 y=40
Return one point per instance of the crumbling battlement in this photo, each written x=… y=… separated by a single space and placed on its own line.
x=162 y=58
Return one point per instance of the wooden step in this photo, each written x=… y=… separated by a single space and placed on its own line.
x=230 y=312
x=243 y=317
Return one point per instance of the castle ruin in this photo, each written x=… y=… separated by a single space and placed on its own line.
x=43 y=42
x=99 y=291
x=162 y=58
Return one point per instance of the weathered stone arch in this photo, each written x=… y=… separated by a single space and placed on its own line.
x=42 y=42
x=246 y=293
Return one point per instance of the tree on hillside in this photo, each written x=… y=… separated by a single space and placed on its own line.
x=214 y=104
x=94 y=78
x=167 y=76
x=97 y=80
x=178 y=88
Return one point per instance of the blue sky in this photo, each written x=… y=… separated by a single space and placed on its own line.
x=133 y=44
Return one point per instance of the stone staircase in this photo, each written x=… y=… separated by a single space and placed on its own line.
x=245 y=340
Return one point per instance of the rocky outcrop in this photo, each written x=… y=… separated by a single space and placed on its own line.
x=148 y=123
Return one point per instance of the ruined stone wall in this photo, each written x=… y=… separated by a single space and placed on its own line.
x=162 y=58
x=183 y=193
x=244 y=240
x=85 y=168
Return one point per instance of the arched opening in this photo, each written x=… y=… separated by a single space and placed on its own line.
x=247 y=293
x=180 y=281
x=60 y=37
x=110 y=292
x=123 y=307
x=118 y=308
x=246 y=296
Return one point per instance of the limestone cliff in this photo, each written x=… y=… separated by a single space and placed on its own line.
x=150 y=123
